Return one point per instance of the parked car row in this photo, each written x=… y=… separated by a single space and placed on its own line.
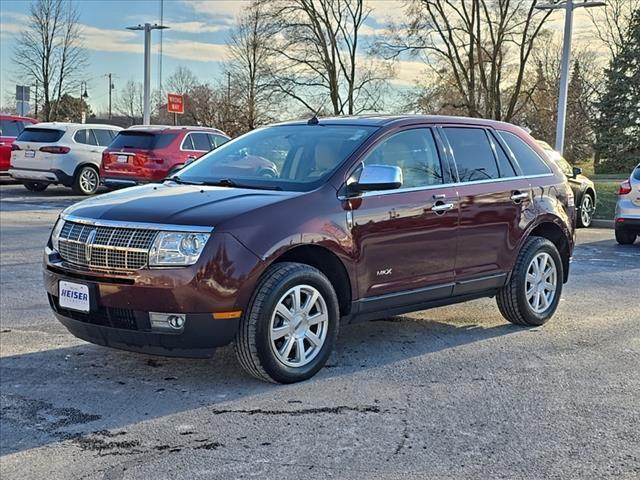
x=82 y=156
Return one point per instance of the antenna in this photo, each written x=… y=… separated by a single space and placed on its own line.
x=313 y=120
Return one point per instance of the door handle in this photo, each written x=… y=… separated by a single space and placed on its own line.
x=440 y=207
x=519 y=196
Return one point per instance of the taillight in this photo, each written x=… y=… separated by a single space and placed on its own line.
x=625 y=187
x=15 y=147
x=55 y=149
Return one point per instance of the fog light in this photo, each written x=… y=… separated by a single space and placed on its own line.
x=167 y=322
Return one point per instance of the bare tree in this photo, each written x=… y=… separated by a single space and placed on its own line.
x=320 y=55
x=480 y=48
x=612 y=21
x=255 y=97
x=49 y=51
x=182 y=81
x=129 y=102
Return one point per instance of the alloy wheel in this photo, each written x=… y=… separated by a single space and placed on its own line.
x=541 y=282
x=299 y=326
x=586 y=210
x=89 y=180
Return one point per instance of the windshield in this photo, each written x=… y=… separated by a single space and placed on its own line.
x=142 y=140
x=288 y=157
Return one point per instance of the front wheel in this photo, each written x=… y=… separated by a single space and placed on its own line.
x=87 y=181
x=587 y=209
x=35 y=186
x=533 y=292
x=287 y=333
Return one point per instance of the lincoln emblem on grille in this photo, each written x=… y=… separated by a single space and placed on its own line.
x=89 y=245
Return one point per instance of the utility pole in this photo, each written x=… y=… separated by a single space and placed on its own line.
x=109 y=75
x=568 y=6
x=147 y=28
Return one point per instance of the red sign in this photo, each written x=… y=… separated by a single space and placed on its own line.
x=175 y=103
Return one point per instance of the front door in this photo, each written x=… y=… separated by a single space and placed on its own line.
x=406 y=238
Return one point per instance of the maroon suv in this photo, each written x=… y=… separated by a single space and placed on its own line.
x=144 y=154
x=361 y=218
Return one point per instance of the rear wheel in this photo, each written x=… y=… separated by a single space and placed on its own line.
x=587 y=209
x=287 y=333
x=533 y=292
x=87 y=181
x=35 y=186
x=624 y=236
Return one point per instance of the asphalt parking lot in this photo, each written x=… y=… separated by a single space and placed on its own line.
x=453 y=392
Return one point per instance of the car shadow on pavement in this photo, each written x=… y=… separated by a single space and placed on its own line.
x=62 y=394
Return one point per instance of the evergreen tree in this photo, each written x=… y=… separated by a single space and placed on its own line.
x=618 y=125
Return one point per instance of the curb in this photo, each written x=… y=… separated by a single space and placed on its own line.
x=598 y=223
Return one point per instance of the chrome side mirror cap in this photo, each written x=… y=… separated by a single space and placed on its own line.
x=376 y=178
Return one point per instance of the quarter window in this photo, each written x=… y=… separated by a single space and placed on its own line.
x=197 y=141
x=217 y=140
x=103 y=136
x=506 y=167
x=529 y=161
x=473 y=154
x=415 y=152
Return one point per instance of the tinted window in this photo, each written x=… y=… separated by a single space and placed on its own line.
x=289 y=157
x=473 y=154
x=415 y=152
x=85 y=136
x=10 y=128
x=504 y=164
x=200 y=142
x=142 y=140
x=529 y=161
x=187 y=143
x=40 y=135
x=104 y=137
x=636 y=174
x=217 y=140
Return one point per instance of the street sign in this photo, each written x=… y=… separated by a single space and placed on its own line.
x=175 y=103
x=23 y=108
x=23 y=93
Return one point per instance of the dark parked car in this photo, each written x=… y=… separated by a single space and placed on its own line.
x=584 y=190
x=144 y=154
x=366 y=217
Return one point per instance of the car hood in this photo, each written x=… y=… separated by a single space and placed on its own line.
x=175 y=204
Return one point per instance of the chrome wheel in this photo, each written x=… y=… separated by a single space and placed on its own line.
x=89 y=180
x=586 y=210
x=541 y=282
x=299 y=326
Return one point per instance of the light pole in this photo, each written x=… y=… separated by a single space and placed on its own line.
x=83 y=95
x=111 y=87
x=147 y=27
x=568 y=6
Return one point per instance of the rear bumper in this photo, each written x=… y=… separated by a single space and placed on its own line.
x=122 y=182
x=632 y=224
x=45 y=176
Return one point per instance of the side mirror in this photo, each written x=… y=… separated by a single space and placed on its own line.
x=577 y=171
x=375 y=178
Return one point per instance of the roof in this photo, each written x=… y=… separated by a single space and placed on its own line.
x=173 y=128
x=386 y=120
x=71 y=125
x=11 y=116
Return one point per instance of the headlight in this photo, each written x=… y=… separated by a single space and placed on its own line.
x=55 y=234
x=177 y=248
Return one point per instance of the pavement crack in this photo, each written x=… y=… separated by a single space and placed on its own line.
x=305 y=411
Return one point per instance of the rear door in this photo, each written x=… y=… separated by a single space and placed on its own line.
x=495 y=203
x=195 y=145
x=407 y=247
x=86 y=148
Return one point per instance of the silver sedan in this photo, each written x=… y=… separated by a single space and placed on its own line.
x=627 y=218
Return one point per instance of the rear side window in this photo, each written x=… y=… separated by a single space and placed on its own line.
x=10 y=128
x=103 y=136
x=85 y=136
x=529 y=161
x=505 y=165
x=197 y=141
x=142 y=140
x=473 y=154
x=217 y=140
x=40 y=135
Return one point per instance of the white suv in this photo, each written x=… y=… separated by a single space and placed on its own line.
x=61 y=153
x=628 y=209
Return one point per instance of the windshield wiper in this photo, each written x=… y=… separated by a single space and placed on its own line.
x=227 y=182
x=177 y=179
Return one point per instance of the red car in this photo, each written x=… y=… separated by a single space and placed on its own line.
x=146 y=153
x=10 y=127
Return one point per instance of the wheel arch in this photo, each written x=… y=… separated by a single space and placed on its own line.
x=329 y=264
x=556 y=235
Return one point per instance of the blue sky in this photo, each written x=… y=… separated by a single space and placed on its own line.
x=196 y=39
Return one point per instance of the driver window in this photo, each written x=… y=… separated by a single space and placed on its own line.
x=415 y=152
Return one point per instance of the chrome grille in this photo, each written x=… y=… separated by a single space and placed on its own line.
x=105 y=248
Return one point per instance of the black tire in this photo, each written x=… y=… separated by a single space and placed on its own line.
x=35 y=186
x=253 y=343
x=86 y=181
x=512 y=299
x=587 y=203
x=624 y=236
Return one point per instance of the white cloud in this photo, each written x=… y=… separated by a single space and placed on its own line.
x=224 y=10
x=195 y=51
x=195 y=27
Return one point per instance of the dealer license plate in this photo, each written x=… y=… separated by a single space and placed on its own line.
x=74 y=296
x=29 y=153
x=123 y=158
